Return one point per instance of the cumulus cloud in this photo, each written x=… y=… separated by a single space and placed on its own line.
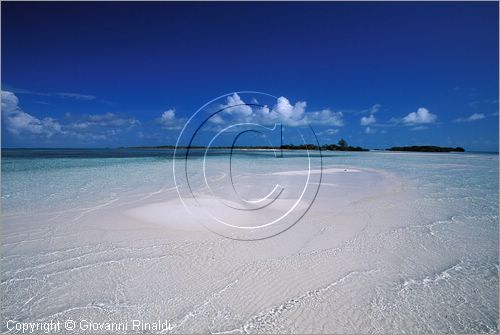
x=473 y=117
x=19 y=122
x=282 y=112
x=87 y=127
x=167 y=116
x=235 y=105
x=367 y=120
x=168 y=120
x=10 y=102
x=370 y=119
x=421 y=116
x=289 y=113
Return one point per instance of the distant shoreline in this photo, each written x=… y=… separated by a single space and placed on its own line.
x=328 y=147
x=289 y=147
x=239 y=148
x=427 y=148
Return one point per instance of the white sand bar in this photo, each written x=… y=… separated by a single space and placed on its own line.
x=379 y=251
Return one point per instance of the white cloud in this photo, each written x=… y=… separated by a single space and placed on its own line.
x=282 y=112
x=76 y=96
x=9 y=102
x=288 y=113
x=98 y=127
x=369 y=130
x=421 y=116
x=327 y=132
x=235 y=105
x=111 y=120
x=93 y=127
x=64 y=95
x=325 y=117
x=168 y=120
x=372 y=110
x=375 y=108
x=79 y=125
x=419 y=128
x=217 y=119
x=367 y=120
x=167 y=116
x=19 y=122
x=476 y=116
x=473 y=117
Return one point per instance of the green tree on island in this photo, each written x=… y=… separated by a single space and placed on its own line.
x=342 y=143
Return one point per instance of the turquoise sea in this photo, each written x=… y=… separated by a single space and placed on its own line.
x=47 y=179
x=447 y=240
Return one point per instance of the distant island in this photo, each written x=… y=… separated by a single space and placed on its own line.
x=340 y=146
x=427 y=148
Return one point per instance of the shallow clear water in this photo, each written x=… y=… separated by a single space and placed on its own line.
x=434 y=268
x=34 y=180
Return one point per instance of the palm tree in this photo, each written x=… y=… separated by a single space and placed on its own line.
x=342 y=143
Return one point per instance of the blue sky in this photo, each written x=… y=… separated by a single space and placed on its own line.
x=119 y=74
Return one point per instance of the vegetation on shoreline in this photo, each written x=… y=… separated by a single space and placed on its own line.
x=427 y=148
x=340 y=146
